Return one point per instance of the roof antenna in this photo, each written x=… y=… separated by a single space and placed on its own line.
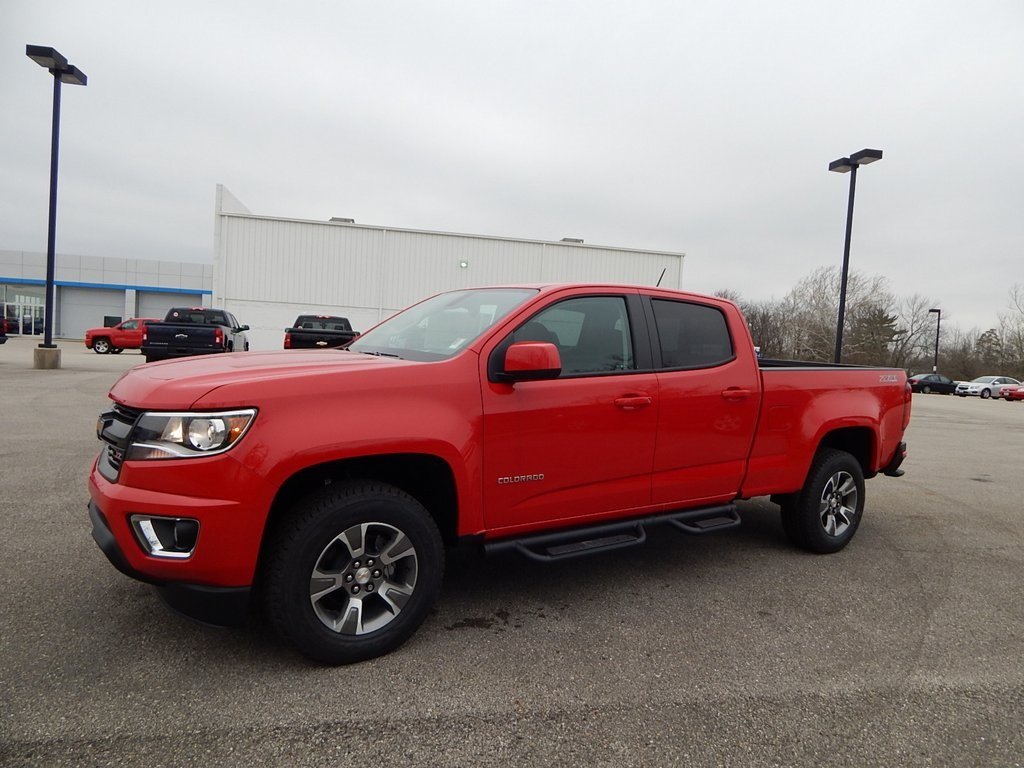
x=657 y=284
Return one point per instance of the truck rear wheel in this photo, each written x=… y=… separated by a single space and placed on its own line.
x=825 y=514
x=352 y=572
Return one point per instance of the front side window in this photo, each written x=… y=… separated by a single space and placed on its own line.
x=691 y=335
x=591 y=333
x=442 y=326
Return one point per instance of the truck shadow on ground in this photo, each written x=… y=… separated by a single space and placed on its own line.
x=497 y=594
x=485 y=592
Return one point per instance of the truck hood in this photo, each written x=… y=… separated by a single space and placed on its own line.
x=178 y=384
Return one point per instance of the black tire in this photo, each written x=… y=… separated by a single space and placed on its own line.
x=380 y=559
x=986 y=394
x=926 y=390
x=825 y=514
x=101 y=345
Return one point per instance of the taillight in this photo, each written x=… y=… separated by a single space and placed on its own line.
x=218 y=336
x=908 y=395
x=287 y=340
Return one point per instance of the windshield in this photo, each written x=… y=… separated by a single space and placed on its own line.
x=441 y=326
x=984 y=380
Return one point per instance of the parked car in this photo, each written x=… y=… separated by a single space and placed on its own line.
x=985 y=386
x=1011 y=393
x=318 y=332
x=15 y=325
x=3 y=331
x=926 y=383
x=188 y=331
x=124 y=335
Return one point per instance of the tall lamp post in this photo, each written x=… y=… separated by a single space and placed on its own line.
x=849 y=165
x=938 y=325
x=62 y=72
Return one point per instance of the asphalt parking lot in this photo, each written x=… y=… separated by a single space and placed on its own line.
x=905 y=649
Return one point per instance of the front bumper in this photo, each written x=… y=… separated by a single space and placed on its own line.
x=210 y=576
x=219 y=606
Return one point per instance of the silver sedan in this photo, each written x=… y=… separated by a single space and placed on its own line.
x=985 y=386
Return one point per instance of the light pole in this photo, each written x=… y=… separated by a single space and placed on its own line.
x=62 y=72
x=844 y=165
x=938 y=325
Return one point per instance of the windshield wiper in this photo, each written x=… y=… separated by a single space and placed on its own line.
x=376 y=354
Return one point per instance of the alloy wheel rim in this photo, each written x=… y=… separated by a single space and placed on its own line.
x=838 y=507
x=363 y=578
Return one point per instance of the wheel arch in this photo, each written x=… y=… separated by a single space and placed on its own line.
x=427 y=478
x=859 y=442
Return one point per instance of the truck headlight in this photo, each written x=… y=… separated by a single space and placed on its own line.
x=187 y=435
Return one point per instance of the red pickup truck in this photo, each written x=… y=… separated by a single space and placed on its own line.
x=551 y=420
x=124 y=335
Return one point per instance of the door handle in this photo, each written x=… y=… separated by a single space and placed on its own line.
x=734 y=393
x=630 y=402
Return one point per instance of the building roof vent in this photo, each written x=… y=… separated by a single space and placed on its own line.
x=572 y=239
x=339 y=220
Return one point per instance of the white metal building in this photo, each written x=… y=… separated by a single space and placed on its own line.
x=268 y=270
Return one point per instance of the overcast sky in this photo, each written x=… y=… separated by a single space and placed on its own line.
x=694 y=125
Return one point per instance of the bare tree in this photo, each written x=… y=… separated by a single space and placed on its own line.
x=880 y=329
x=813 y=305
x=915 y=347
x=1011 y=332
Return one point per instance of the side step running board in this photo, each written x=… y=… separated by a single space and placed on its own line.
x=604 y=537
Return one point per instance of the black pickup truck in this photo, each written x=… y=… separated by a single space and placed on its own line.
x=188 y=331
x=318 y=332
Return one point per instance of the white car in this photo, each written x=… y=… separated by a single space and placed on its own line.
x=985 y=386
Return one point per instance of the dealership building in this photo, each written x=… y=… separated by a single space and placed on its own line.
x=267 y=270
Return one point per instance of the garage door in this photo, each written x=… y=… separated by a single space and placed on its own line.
x=156 y=303
x=84 y=308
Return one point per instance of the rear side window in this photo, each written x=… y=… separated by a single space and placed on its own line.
x=691 y=335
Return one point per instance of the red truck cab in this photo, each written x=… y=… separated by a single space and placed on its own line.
x=125 y=335
x=552 y=420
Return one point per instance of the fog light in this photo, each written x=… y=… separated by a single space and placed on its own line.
x=170 y=537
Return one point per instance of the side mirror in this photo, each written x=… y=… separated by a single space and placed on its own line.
x=242 y=328
x=531 y=361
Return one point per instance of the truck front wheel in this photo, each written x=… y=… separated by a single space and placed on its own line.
x=101 y=346
x=824 y=515
x=352 y=572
